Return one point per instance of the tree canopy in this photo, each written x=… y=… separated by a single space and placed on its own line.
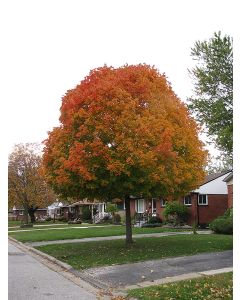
x=212 y=103
x=124 y=132
x=27 y=187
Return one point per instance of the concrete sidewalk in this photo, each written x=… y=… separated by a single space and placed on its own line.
x=109 y=238
x=56 y=228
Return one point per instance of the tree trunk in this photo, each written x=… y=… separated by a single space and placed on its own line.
x=31 y=212
x=129 y=239
x=26 y=215
x=25 y=206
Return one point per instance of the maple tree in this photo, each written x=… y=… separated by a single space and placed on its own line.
x=27 y=187
x=124 y=132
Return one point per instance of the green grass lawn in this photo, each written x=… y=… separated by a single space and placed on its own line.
x=72 y=233
x=93 y=254
x=209 y=287
x=14 y=223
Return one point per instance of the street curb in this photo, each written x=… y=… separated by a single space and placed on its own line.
x=177 y=278
x=48 y=257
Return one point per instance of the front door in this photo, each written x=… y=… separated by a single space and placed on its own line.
x=154 y=205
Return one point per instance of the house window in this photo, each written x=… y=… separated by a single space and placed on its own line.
x=202 y=199
x=140 y=206
x=120 y=205
x=20 y=212
x=187 y=200
x=163 y=202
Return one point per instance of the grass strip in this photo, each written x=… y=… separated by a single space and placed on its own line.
x=209 y=287
x=75 y=233
x=95 y=254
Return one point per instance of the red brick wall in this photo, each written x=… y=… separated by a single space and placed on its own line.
x=132 y=207
x=230 y=195
x=192 y=209
x=217 y=205
x=159 y=209
x=193 y=217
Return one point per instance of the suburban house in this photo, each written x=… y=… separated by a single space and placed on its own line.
x=209 y=201
x=205 y=204
x=96 y=209
x=55 y=209
x=17 y=214
x=75 y=210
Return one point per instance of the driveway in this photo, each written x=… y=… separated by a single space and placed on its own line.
x=131 y=274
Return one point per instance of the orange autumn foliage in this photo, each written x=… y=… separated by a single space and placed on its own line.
x=124 y=132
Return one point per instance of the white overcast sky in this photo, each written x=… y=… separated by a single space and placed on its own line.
x=50 y=46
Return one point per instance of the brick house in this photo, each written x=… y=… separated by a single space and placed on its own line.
x=205 y=204
x=209 y=201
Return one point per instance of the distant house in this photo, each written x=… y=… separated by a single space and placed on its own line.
x=96 y=208
x=17 y=214
x=205 y=204
x=75 y=210
x=55 y=209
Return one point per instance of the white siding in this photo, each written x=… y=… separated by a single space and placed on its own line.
x=216 y=186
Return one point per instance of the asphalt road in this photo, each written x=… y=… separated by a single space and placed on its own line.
x=29 y=279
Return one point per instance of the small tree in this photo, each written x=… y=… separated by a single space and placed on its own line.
x=176 y=212
x=112 y=209
x=86 y=213
x=27 y=187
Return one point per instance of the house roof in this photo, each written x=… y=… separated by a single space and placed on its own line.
x=84 y=203
x=214 y=176
x=57 y=205
x=229 y=177
x=214 y=184
x=22 y=208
